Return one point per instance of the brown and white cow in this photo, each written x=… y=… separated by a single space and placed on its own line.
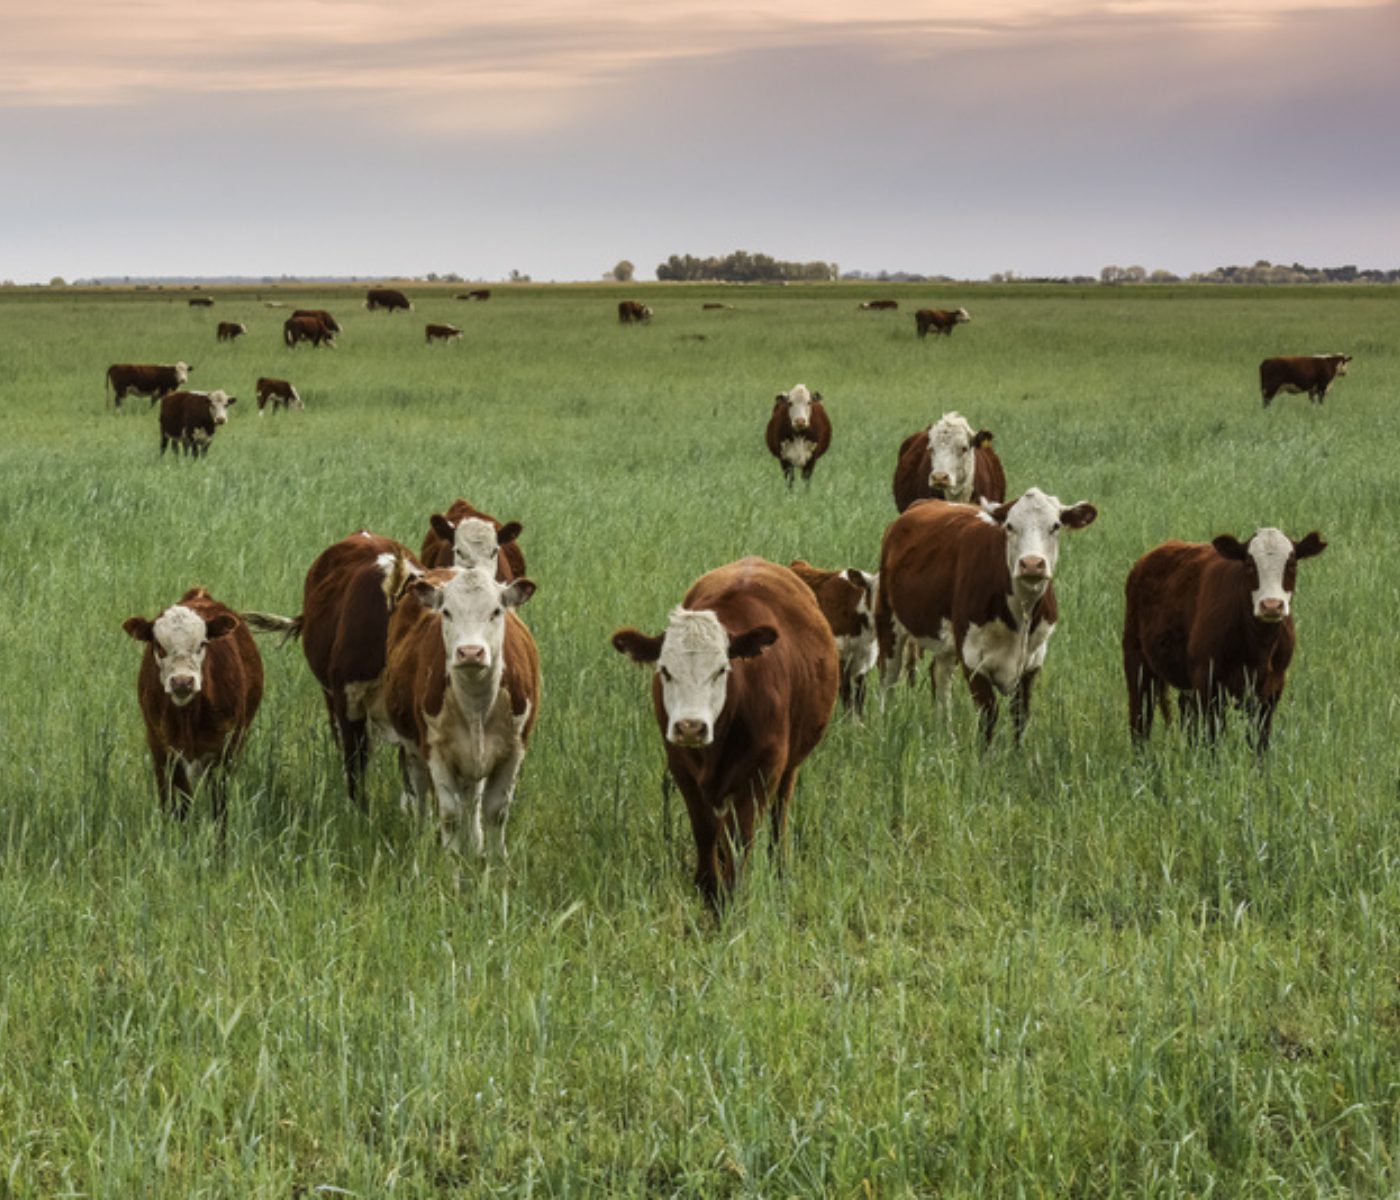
x=799 y=431
x=190 y=419
x=464 y=536
x=461 y=696
x=321 y=315
x=879 y=305
x=280 y=392
x=440 y=333
x=230 y=330
x=389 y=299
x=746 y=678
x=144 y=379
x=479 y=294
x=200 y=684
x=847 y=601
x=948 y=461
x=629 y=311
x=1214 y=621
x=939 y=320
x=201 y=302
x=975 y=587
x=307 y=328
x=1313 y=374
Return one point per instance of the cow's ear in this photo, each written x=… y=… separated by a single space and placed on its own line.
x=517 y=591
x=428 y=593
x=983 y=437
x=752 y=642
x=1310 y=545
x=231 y=400
x=1079 y=515
x=140 y=628
x=780 y=398
x=508 y=532
x=816 y=397
x=858 y=578
x=999 y=512
x=1227 y=545
x=220 y=626
x=636 y=645
x=441 y=526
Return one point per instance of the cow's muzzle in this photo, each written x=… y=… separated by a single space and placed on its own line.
x=690 y=732
x=1271 y=611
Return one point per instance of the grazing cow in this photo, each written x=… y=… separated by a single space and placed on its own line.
x=947 y=461
x=799 y=431
x=1215 y=622
x=144 y=379
x=629 y=311
x=847 y=601
x=461 y=695
x=200 y=685
x=229 y=330
x=940 y=320
x=975 y=586
x=714 y=304
x=307 y=328
x=190 y=419
x=389 y=299
x=457 y=539
x=321 y=315
x=479 y=294
x=1309 y=373
x=440 y=333
x=201 y=302
x=280 y=392
x=880 y=305
x=746 y=678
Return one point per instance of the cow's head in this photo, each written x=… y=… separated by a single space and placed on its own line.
x=1270 y=559
x=952 y=457
x=799 y=403
x=693 y=660
x=178 y=637
x=1339 y=362
x=182 y=371
x=1031 y=525
x=218 y=405
x=475 y=542
x=473 y=606
x=960 y=317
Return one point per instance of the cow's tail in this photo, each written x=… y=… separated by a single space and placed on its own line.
x=260 y=622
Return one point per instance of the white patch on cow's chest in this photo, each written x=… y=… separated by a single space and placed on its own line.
x=1004 y=655
x=797 y=452
x=196 y=768
x=467 y=747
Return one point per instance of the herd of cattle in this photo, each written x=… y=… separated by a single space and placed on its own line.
x=427 y=651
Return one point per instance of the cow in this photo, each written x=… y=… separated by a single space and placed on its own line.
x=461 y=696
x=389 y=299
x=144 y=379
x=940 y=320
x=307 y=328
x=799 y=431
x=1215 y=621
x=441 y=333
x=190 y=418
x=1313 y=374
x=229 y=330
x=280 y=392
x=976 y=587
x=947 y=461
x=199 y=687
x=321 y=315
x=479 y=294
x=879 y=305
x=201 y=302
x=746 y=678
x=456 y=539
x=713 y=304
x=847 y=601
x=629 y=311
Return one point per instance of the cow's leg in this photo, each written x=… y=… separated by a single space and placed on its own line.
x=1143 y=688
x=1262 y=722
x=456 y=808
x=807 y=471
x=353 y=736
x=164 y=442
x=985 y=696
x=417 y=783
x=782 y=798
x=1021 y=704
x=173 y=781
x=845 y=690
x=788 y=473
x=856 y=693
x=496 y=797
x=705 y=826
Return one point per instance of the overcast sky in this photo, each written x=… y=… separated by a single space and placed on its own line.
x=557 y=137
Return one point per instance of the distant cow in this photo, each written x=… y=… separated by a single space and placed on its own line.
x=440 y=333
x=1313 y=374
x=307 y=328
x=454 y=540
x=145 y=379
x=880 y=305
x=1214 y=621
x=847 y=601
x=799 y=431
x=190 y=418
x=713 y=304
x=975 y=588
x=746 y=679
x=947 y=461
x=321 y=315
x=200 y=684
x=479 y=294
x=229 y=330
x=201 y=302
x=389 y=299
x=629 y=311
x=280 y=392
x=939 y=320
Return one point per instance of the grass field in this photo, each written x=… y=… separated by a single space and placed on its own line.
x=1053 y=971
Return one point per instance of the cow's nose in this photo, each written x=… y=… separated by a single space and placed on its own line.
x=182 y=684
x=940 y=479
x=470 y=656
x=1271 y=610
x=1032 y=565
x=691 y=732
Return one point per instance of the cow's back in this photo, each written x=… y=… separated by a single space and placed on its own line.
x=940 y=562
x=1178 y=603
x=345 y=611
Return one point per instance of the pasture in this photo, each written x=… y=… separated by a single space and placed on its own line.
x=1051 y=971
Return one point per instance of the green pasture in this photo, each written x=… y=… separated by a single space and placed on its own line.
x=1059 y=970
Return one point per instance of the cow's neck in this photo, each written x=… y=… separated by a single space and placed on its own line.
x=477 y=696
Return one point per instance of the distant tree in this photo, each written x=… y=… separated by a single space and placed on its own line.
x=57 y=281
x=623 y=272
x=517 y=277
x=1161 y=276
x=1111 y=275
x=1134 y=274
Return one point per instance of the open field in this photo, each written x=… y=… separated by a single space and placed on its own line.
x=1046 y=972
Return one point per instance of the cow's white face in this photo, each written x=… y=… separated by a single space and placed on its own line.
x=1032 y=526
x=474 y=545
x=1271 y=557
x=218 y=406
x=294 y=401
x=182 y=372
x=961 y=316
x=178 y=639
x=473 y=606
x=1341 y=360
x=799 y=404
x=952 y=457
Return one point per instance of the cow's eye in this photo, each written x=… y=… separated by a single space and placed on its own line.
x=447 y=614
x=1010 y=528
x=496 y=615
x=665 y=674
x=1055 y=528
x=721 y=673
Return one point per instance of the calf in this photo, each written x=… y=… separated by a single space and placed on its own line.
x=746 y=678
x=947 y=461
x=145 y=379
x=280 y=392
x=190 y=419
x=939 y=320
x=629 y=311
x=975 y=587
x=199 y=687
x=1215 y=622
x=440 y=333
x=461 y=696
x=465 y=536
x=229 y=330
x=389 y=299
x=1313 y=374
x=847 y=601
x=799 y=431
x=879 y=305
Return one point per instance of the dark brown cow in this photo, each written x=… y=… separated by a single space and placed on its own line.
x=201 y=302
x=189 y=419
x=1214 y=621
x=880 y=305
x=144 y=379
x=229 y=330
x=307 y=328
x=452 y=541
x=321 y=315
x=389 y=299
x=479 y=294
x=280 y=392
x=847 y=601
x=799 y=431
x=630 y=311
x=1313 y=374
x=714 y=304
x=200 y=685
x=975 y=588
x=947 y=461
x=746 y=679
x=440 y=333
x=939 y=320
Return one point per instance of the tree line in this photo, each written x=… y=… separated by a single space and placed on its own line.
x=741 y=267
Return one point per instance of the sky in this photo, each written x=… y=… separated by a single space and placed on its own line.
x=557 y=137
